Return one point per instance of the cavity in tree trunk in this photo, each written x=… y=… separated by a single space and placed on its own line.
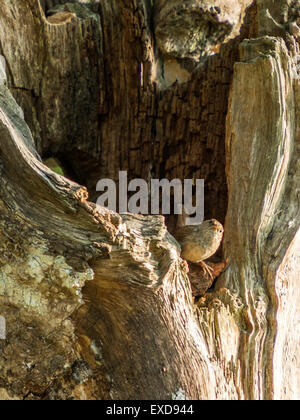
x=99 y=305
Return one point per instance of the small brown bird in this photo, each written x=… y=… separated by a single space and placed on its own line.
x=199 y=242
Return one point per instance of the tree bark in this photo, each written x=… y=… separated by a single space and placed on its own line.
x=99 y=305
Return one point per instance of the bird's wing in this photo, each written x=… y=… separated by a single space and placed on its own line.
x=183 y=233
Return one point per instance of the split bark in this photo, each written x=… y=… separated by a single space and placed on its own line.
x=139 y=333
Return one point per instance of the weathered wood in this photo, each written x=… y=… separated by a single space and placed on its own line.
x=194 y=28
x=263 y=218
x=90 y=88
